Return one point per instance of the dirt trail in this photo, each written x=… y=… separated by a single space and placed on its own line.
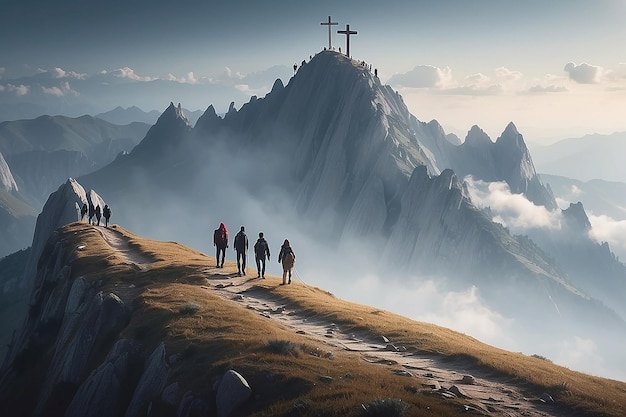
x=481 y=391
x=122 y=246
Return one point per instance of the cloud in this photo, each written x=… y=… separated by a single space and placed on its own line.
x=583 y=73
x=129 y=73
x=506 y=74
x=583 y=354
x=2 y=71
x=606 y=229
x=186 y=79
x=63 y=90
x=514 y=211
x=61 y=73
x=19 y=90
x=423 y=76
x=539 y=89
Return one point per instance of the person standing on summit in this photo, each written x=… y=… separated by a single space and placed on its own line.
x=241 y=248
x=220 y=241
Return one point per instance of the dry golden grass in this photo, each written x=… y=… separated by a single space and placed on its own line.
x=210 y=335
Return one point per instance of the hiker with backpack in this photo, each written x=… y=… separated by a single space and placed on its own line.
x=220 y=241
x=261 y=250
x=91 y=212
x=241 y=248
x=288 y=259
x=83 y=211
x=106 y=212
x=98 y=214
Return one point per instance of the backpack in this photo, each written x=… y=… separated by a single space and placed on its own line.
x=289 y=258
x=240 y=241
x=219 y=237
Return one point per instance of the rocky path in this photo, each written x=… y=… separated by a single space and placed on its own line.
x=480 y=391
x=122 y=246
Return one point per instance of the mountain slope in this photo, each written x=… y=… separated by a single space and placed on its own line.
x=335 y=160
x=137 y=324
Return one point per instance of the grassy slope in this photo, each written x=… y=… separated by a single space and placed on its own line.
x=223 y=334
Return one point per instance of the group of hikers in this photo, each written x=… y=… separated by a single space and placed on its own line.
x=286 y=257
x=92 y=211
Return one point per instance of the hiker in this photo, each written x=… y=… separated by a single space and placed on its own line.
x=288 y=258
x=261 y=249
x=98 y=214
x=83 y=211
x=220 y=241
x=241 y=248
x=106 y=212
x=91 y=212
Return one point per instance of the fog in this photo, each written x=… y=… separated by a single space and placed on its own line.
x=249 y=189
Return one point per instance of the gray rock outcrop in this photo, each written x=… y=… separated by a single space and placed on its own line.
x=233 y=391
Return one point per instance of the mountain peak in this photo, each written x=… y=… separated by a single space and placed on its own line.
x=575 y=216
x=174 y=113
x=477 y=137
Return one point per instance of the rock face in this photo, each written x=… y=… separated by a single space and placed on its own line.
x=7 y=182
x=62 y=207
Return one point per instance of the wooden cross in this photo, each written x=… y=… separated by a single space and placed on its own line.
x=329 y=24
x=347 y=32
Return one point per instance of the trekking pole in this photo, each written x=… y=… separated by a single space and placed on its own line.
x=295 y=271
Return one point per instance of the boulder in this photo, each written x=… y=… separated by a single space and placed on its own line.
x=233 y=391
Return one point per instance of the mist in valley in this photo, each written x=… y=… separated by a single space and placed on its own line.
x=254 y=188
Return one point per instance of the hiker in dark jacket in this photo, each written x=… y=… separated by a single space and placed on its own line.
x=83 y=211
x=106 y=212
x=220 y=241
x=261 y=250
x=98 y=214
x=288 y=259
x=92 y=211
x=241 y=248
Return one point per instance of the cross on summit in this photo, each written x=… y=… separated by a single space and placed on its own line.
x=347 y=32
x=329 y=24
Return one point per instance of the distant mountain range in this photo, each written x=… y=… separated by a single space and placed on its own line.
x=39 y=154
x=587 y=158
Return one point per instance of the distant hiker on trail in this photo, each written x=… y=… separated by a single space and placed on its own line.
x=91 y=212
x=98 y=214
x=288 y=258
x=261 y=249
x=241 y=247
x=220 y=241
x=83 y=211
x=106 y=212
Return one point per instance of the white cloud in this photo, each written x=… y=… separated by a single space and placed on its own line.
x=539 y=89
x=423 y=76
x=63 y=90
x=61 y=73
x=2 y=71
x=129 y=73
x=606 y=229
x=583 y=73
x=514 y=211
x=506 y=74
x=188 y=79
x=19 y=90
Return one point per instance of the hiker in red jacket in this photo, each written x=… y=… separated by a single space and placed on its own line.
x=220 y=241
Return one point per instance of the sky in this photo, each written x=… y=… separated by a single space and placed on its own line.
x=555 y=68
